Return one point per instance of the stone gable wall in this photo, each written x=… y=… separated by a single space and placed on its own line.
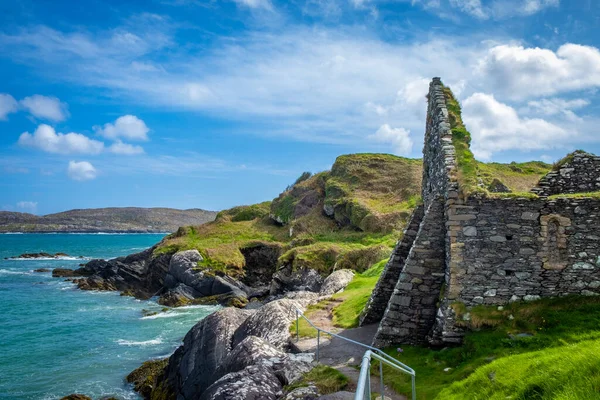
x=439 y=155
x=579 y=175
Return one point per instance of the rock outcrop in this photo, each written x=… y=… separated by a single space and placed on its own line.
x=271 y=322
x=289 y=280
x=338 y=280
x=184 y=283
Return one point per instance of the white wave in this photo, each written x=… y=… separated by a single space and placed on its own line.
x=151 y=342
x=10 y=272
x=13 y=233
x=163 y=315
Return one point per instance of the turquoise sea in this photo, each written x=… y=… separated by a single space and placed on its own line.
x=56 y=340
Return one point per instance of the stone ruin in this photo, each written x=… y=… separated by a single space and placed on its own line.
x=490 y=250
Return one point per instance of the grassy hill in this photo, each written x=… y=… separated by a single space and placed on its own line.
x=122 y=219
x=349 y=217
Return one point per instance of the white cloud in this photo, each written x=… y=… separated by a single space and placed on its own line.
x=43 y=107
x=29 y=206
x=266 y=4
x=81 y=171
x=124 y=148
x=555 y=106
x=398 y=138
x=496 y=127
x=471 y=7
x=127 y=127
x=8 y=105
x=521 y=72
x=45 y=138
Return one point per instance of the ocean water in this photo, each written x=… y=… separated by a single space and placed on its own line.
x=56 y=340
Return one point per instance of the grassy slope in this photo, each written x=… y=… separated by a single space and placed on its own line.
x=519 y=177
x=376 y=191
x=556 y=335
x=353 y=300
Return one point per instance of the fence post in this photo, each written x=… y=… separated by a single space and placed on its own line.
x=318 y=343
x=381 y=380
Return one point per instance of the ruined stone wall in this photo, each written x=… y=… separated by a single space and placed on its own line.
x=580 y=173
x=375 y=307
x=439 y=156
x=508 y=250
x=411 y=311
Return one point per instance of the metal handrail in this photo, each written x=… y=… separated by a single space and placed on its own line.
x=371 y=352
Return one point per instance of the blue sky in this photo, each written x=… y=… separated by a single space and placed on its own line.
x=211 y=104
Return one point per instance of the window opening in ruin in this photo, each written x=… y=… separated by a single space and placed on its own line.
x=509 y=237
x=509 y=272
x=554 y=243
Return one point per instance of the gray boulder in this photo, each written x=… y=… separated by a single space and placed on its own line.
x=289 y=280
x=337 y=281
x=271 y=322
x=248 y=352
x=256 y=382
x=181 y=268
x=204 y=348
x=303 y=393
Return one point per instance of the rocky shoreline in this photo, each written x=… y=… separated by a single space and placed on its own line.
x=241 y=351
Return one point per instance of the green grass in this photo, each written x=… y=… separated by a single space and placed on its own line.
x=556 y=327
x=592 y=195
x=355 y=297
x=325 y=378
x=519 y=177
x=245 y=213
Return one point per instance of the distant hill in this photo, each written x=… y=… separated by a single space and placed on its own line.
x=125 y=219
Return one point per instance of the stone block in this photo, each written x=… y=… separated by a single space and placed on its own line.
x=470 y=231
x=530 y=216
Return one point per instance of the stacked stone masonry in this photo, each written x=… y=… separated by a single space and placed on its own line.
x=411 y=311
x=482 y=250
x=579 y=174
x=380 y=297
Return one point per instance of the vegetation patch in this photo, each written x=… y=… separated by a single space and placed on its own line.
x=355 y=297
x=326 y=379
x=245 y=213
x=590 y=195
x=144 y=378
x=491 y=363
x=474 y=176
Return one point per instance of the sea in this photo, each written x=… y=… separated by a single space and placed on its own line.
x=56 y=340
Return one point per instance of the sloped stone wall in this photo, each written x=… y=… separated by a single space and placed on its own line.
x=380 y=297
x=580 y=174
x=411 y=311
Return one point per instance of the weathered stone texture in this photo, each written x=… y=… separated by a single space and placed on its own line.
x=380 y=297
x=411 y=310
x=523 y=250
x=481 y=250
x=580 y=174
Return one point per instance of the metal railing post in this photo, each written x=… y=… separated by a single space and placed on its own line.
x=297 y=326
x=318 y=342
x=381 y=380
x=364 y=381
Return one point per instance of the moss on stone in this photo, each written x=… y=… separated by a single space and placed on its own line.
x=585 y=195
x=145 y=378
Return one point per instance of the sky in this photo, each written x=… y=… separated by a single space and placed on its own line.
x=216 y=103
